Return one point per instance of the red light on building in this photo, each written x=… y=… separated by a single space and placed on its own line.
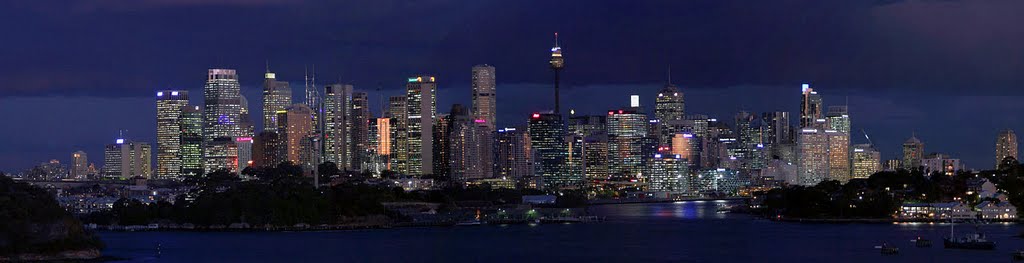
x=536 y=115
x=611 y=112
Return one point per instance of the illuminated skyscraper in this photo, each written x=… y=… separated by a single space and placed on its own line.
x=810 y=106
x=484 y=104
x=839 y=143
x=169 y=104
x=221 y=114
x=277 y=96
x=547 y=140
x=595 y=157
x=245 y=124
x=338 y=125
x=445 y=140
x=668 y=110
x=1006 y=146
x=557 y=63
x=295 y=126
x=913 y=152
x=588 y=125
x=778 y=135
x=421 y=108
x=513 y=154
x=244 y=148
x=866 y=161
x=221 y=154
x=125 y=159
x=191 y=146
x=626 y=130
x=359 y=145
x=267 y=149
x=668 y=173
x=812 y=157
x=399 y=136
x=79 y=165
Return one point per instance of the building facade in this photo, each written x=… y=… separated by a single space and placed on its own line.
x=1006 y=146
x=421 y=110
x=169 y=105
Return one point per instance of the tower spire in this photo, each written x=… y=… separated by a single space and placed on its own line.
x=669 y=74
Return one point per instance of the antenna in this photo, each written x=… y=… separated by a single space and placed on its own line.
x=268 y=65
x=556 y=39
x=670 y=74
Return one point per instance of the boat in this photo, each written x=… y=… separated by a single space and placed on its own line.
x=921 y=242
x=974 y=241
x=468 y=223
x=886 y=249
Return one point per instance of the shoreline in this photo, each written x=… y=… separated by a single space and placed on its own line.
x=876 y=221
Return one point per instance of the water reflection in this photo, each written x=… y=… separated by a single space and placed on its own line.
x=675 y=210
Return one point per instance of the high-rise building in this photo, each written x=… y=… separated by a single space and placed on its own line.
x=399 y=120
x=244 y=148
x=684 y=145
x=421 y=108
x=295 y=126
x=245 y=124
x=778 y=134
x=669 y=109
x=512 y=147
x=277 y=96
x=126 y=159
x=812 y=157
x=810 y=107
x=749 y=149
x=191 y=145
x=79 y=165
x=866 y=161
x=222 y=112
x=838 y=132
x=359 y=145
x=588 y=125
x=1006 y=146
x=626 y=130
x=557 y=63
x=383 y=135
x=313 y=101
x=484 y=103
x=547 y=140
x=221 y=155
x=913 y=152
x=338 y=126
x=893 y=164
x=445 y=141
x=595 y=157
x=667 y=173
x=169 y=105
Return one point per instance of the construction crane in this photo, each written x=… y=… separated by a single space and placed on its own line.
x=866 y=137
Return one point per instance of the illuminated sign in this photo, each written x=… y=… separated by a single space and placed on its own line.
x=536 y=115
x=414 y=79
x=510 y=129
x=809 y=130
x=269 y=75
x=804 y=87
x=120 y=141
x=657 y=155
x=243 y=139
x=480 y=121
x=160 y=94
x=174 y=93
x=858 y=150
x=634 y=101
x=687 y=135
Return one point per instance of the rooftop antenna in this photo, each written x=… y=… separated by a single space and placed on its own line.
x=669 y=74
x=268 y=66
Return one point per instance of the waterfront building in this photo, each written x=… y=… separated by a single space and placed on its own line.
x=723 y=181
x=866 y=161
x=191 y=145
x=277 y=96
x=667 y=173
x=595 y=157
x=125 y=159
x=1006 y=146
x=421 y=110
x=913 y=152
x=169 y=105
x=484 y=102
x=338 y=125
x=79 y=166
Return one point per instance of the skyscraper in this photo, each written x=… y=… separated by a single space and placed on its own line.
x=277 y=96
x=667 y=173
x=398 y=115
x=484 y=104
x=812 y=157
x=244 y=150
x=513 y=154
x=295 y=126
x=669 y=111
x=191 y=146
x=866 y=161
x=268 y=149
x=221 y=155
x=557 y=63
x=421 y=108
x=360 y=116
x=221 y=114
x=547 y=139
x=245 y=124
x=338 y=125
x=169 y=105
x=810 y=106
x=778 y=135
x=626 y=130
x=125 y=159
x=913 y=153
x=1006 y=146
x=838 y=131
x=595 y=157
x=79 y=165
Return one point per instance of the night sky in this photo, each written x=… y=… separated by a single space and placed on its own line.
x=76 y=72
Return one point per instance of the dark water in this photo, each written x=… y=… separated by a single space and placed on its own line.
x=679 y=232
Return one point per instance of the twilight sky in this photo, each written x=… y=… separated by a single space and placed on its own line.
x=75 y=72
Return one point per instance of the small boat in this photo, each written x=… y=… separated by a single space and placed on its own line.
x=468 y=223
x=921 y=242
x=974 y=241
x=1018 y=255
x=886 y=249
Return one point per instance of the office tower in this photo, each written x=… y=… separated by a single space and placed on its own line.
x=749 y=149
x=421 y=108
x=125 y=159
x=313 y=101
x=310 y=154
x=812 y=157
x=244 y=148
x=866 y=161
x=295 y=126
x=376 y=160
x=913 y=152
x=245 y=125
x=723 y=181
x=512 y=149
x=221 y=115
x=777 y=135
x=557 y=63
x=588 y=125
x=838 y=131
x=338 y=125
x=79 y=165
x=443 y=139
x=484 y=103
x=941 y=164
x=595 y=157
x=574 y=159
x=810 y=106
x=1006 y=146
x=547 y=140
x=277 y=96
x=667 y=173
x=684 y=145
x=169 y=105
x=221 y=155
x=359 y=144
x=191 y=145
x=383 y=135
x=268 y=149
x=893 y=164
x=626 y=130
x=399 y=136
x=669 y=110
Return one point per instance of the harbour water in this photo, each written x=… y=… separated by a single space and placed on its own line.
x=661 y=232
